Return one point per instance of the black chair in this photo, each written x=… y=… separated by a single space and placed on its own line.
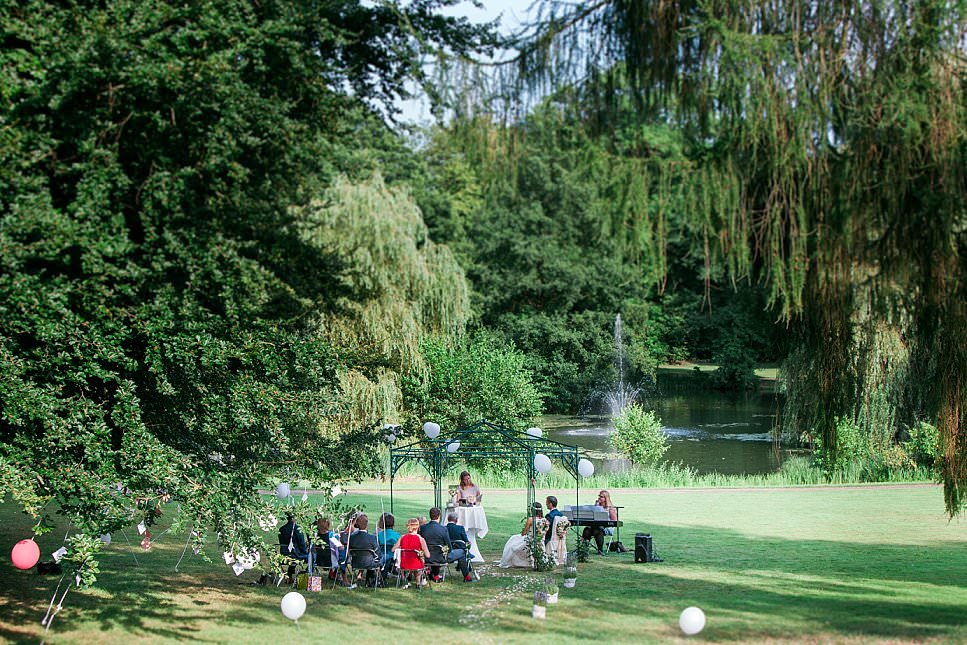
x=438 y=560
x=405 y=573
x=366 y=561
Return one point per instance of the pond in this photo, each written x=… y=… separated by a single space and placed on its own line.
x=709 y=430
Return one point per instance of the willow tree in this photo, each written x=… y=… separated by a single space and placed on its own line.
x=394 y=288
x=827 y=146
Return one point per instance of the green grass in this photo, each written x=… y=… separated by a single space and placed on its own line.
x=856 y=565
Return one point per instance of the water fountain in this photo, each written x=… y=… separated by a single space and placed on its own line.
x=621 y=394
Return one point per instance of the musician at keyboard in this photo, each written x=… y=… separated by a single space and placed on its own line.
x=598 y=532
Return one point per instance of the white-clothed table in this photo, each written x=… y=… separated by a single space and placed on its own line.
x=474 y=519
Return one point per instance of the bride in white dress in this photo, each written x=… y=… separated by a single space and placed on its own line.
x=516 y=553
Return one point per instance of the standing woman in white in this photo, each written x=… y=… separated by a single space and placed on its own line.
x=468 y=493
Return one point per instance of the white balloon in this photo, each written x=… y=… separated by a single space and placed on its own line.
x=387 y=426
x=282 y=491
x=390 y=438
x=431 y=430
x=542 y=463
x=293 y=605
x=585 y=468
x=692 y=620
x=453 y=446
x=106 y=539
x=535 y=432
x=336 y=491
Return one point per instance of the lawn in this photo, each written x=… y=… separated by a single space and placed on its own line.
x=856 y=565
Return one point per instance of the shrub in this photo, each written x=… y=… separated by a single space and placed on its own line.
x=638 y=435
x=923 y=444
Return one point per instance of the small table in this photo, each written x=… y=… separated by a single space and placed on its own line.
x=474 y=519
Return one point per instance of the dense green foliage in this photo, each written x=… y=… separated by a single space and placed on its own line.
x=560 y=229
x=479 y=378
x=165 y=306
x=639 y=436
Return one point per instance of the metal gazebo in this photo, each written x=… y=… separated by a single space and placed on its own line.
x=483 y=440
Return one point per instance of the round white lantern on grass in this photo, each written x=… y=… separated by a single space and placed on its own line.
x=692 y=620
x=282 y=491
x=585 y=468
x=542 y=463
x=293 y=605
x=431 y=430
x=537 y=433
x=453 y=446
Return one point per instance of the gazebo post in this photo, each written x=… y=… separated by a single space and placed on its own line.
x=437 y=476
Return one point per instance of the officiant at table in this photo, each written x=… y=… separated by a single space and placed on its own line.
x=470 y=513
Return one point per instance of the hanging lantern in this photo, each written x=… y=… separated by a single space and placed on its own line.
x=25 y=554
x=431 y=430
x=282 y=491
x=585 y=468
x=453 y=446
x=542 y=463
x=537 y=433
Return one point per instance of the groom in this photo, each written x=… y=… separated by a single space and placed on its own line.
x=551 y=503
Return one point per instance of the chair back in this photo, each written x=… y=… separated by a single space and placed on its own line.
x=438 y=554
x=417 y=552
x=362 y=555
x=458 y=544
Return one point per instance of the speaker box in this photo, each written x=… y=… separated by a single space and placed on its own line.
x=643 y=548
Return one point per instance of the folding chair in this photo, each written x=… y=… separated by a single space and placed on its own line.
x=460 y=544
x=438 y=558
x=372 y=555
x=406 y=572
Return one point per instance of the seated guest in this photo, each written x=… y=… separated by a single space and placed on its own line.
x=468 y=493
x=292 y=542
x=438 y=539
x=597 y=532
x=364 y=549
x=387 y=538
x=516 y=553
x=325 y=554
x=457 y=554
x=414 y=551
x=421 y=520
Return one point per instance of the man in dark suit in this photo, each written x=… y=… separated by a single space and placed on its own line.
x=437 y=537
x=457 y=554
x=551 y=503
x=364 y=549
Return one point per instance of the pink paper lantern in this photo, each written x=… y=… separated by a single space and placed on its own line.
x=25 y=554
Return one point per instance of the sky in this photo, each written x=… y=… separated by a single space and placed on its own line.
x=511 y=15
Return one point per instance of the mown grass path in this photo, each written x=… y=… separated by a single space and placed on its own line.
x=845 y=564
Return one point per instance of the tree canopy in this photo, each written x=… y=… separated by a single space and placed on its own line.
x=165 y=278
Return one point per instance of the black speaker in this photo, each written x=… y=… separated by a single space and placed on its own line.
x=643 y=548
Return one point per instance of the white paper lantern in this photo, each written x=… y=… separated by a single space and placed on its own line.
x=585 y=468
x=106 y=539
x=293 y=605
x=387 y=426
x=692 y=621
x=282 y=491
x=390 y=438
x=431 y=430
x=453 y=446
x=542 y=463
x=336 y=491
x=247 y=561
x=535 y=432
